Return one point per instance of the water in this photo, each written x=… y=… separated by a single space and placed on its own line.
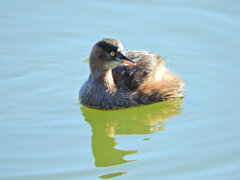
x=46 y=134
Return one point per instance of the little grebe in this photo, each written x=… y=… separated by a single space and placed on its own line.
x=143 y=80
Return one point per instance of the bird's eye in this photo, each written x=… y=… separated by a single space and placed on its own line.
x=112 y=53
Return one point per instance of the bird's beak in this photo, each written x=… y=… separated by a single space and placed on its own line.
x=125 y=60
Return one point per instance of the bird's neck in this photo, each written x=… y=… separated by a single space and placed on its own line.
x=101 y=77
x=104 y=79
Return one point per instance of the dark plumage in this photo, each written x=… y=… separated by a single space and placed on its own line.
x=144 y=80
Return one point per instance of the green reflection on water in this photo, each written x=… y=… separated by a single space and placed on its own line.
x=137 y=120
x=111 y=175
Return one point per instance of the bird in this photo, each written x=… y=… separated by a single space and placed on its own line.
x=123 y=79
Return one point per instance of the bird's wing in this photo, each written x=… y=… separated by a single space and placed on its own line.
x=131 y=77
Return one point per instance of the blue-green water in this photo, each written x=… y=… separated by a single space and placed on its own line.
x=46 y=134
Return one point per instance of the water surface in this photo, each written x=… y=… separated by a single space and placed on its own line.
x=46 y=134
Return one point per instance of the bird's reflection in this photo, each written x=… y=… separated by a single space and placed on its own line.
x=138 y=120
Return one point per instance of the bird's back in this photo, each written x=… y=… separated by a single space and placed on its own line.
x=149 y=80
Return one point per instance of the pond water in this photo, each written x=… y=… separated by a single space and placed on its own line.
x=46 y=134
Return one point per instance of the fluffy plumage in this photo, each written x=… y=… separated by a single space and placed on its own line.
x=146 y=82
